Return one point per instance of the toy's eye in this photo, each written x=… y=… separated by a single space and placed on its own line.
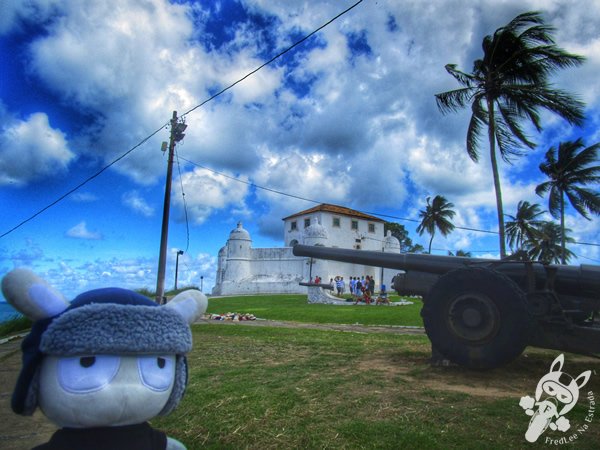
x=157 y=372
x=80 y=374
x=564 y=398
x=87 y=361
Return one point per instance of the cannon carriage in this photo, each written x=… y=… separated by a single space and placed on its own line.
x=482 y=313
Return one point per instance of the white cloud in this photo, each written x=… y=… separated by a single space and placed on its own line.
x=15 y=12
x=363 y=131
x=136 y=203
x=80 y=231
x=206 y=191
x=31 y=149
x=83 y=197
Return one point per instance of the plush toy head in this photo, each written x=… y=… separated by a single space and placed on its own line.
x=561 y=386
x=111 y=357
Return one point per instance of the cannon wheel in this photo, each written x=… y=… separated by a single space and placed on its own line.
x=477 y=317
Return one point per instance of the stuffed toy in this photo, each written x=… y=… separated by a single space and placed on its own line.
x=103 y=365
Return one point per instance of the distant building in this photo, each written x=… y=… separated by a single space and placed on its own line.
x=246 y=270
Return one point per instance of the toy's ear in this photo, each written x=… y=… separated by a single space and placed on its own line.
x=32 y=296
x=189 y=304
x=559 y=361
x=583 y=378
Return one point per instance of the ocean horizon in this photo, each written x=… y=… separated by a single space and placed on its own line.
x=7 y=312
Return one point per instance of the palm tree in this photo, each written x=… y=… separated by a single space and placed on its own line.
x=524 y=226
x=547 y=247
x=509 y=84
x=569 y=170
x=460 y=253
x=437 y=215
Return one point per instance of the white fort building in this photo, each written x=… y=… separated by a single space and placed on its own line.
x=245 y=270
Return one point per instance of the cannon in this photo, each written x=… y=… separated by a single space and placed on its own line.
x=482 y=313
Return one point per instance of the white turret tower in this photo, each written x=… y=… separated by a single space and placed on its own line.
x=316 y=234
x=239 y=254
x=391 y=244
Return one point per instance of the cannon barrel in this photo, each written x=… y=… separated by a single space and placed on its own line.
x=423 y=270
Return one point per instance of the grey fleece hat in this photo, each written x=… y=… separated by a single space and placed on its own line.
x=105 y=321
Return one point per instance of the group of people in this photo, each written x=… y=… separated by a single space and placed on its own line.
x=366 y=296
x=362 y=289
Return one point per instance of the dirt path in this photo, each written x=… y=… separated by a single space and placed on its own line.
x=355 y=328
x=17 y=432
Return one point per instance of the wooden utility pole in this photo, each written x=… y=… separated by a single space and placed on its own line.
x=177 y=129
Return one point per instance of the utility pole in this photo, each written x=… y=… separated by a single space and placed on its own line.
x=179 y=252
x=177 y=129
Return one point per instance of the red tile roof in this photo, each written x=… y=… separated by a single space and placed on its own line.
x=336 y=210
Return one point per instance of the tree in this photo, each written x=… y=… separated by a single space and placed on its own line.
x=547 y=247
x=508 y=85
x=524 y=226
x=401 y=233
x=460 y=253
x=437 y=215
x=569 y=169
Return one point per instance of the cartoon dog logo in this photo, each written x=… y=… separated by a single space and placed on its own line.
x=556 y=394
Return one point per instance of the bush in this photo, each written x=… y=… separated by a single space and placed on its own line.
x=14 y=324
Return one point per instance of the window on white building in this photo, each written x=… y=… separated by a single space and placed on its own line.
x=354 y=225
x=306 y=223
x=371 y=228
x=293 y=226
x=336 y=222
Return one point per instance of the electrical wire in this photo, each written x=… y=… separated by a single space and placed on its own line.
x=187 y=224
x=143 y=141
x=84 y=182
x=376 y=214
x=279 y=55
x=275 y=191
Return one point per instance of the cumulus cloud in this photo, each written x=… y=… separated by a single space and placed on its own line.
x=348 y=117
x=136 y=203
x=80 y=231
x=31 y=149
x=206 y=191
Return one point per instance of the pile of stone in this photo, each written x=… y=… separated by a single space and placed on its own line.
x=236 y=317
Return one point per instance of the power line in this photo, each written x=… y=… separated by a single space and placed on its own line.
x=275 y=191
x=187 y=224
x=279 y=55
x=84 y=182
x=143 y=141
x=585 y=257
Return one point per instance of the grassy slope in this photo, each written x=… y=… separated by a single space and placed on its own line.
x=273 y=388
x=295 y=308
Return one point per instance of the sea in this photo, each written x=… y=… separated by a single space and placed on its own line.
x=7 y=312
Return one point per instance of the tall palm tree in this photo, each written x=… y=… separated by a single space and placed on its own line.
x=524 y=226
x=547 y=247
x=510 y=84
x=436 y=215
x=569 y=169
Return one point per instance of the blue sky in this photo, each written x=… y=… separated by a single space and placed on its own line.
x=348 y=117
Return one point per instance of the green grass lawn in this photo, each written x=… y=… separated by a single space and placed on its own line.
x=295 y=308
x=295 y=388
x=287 y=388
